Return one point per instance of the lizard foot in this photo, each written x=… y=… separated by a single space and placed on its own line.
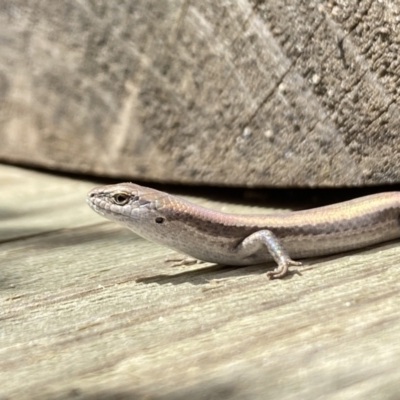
x=179 y=261
x=282 y=269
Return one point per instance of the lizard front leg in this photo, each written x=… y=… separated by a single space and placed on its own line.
x=265 y=239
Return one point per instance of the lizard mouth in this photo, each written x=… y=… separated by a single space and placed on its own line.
x=90 y=201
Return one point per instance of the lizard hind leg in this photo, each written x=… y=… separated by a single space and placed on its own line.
x=263 y=240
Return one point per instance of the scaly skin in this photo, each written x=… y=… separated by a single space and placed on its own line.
x=239 y=239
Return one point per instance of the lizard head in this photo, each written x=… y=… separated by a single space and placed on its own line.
x=136 y=207
x=123 y=201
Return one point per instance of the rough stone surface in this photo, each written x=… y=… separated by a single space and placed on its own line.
x=256 y=93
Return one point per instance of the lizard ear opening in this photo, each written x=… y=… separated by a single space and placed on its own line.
x=159 y=220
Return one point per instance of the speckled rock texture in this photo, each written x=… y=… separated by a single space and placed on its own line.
x=247 y=93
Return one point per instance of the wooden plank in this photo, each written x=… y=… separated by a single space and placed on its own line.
x=89 y=310
x=252 y=93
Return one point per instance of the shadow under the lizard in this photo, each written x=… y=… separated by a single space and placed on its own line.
x=211 y=272
x=207 y=274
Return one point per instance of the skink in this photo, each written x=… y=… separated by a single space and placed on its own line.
x=237 y=239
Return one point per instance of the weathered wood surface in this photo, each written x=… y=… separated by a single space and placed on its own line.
x=250 y=92
x=91 y=311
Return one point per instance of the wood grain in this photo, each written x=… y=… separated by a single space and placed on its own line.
x=269 y=93
x=89 y=310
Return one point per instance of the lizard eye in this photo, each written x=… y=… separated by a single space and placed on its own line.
x=121 y=199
